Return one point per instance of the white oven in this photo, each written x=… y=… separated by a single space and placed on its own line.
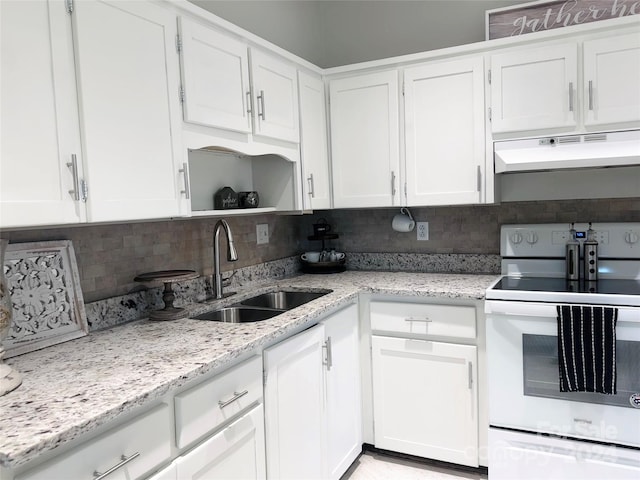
x=522 y=353
x=537 y=431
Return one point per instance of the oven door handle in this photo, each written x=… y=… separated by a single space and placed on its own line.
x=548 y=310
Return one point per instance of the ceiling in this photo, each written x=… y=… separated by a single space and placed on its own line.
x=330 y=33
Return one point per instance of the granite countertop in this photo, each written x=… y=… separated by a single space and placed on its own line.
x=74 y=387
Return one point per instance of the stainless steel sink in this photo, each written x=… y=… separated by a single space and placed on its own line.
x=283 y=299
x=261 y=307
x=239 y=314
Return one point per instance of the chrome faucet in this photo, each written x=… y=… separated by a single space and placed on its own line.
x=232 y=255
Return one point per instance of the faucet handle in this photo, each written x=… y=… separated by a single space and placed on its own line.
x=227 y=281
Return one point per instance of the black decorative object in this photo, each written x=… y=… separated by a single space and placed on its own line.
x=248 y=199
x=225 y=199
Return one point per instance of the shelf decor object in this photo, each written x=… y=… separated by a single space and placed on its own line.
x=10 y=379
x=168 y=277
x=44 y=285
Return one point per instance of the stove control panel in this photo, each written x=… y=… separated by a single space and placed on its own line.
x=615 y=240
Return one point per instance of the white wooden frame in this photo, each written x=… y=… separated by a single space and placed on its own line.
x=48 y=307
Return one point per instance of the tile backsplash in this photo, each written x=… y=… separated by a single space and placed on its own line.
x=460 y=229
x=110 y=256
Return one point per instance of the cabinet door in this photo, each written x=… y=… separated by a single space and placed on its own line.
x=342 y=373
x=237 y=452
x=275 y=95
x=534 y=88
x=215 y=78
x=39 y=124
x=365 y=147
x=612 y=80
x=444 y=132
x=425 y=399
x=128 y=83
x=294 y=411
x=313 y=143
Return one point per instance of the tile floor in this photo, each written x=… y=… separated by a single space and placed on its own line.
x=379 y=466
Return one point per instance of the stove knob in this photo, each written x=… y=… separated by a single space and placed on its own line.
x=631 y=238
x=516 y=238
x=532 y=237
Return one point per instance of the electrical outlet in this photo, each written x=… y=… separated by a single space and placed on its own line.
x=262 y=233
x=422 y=229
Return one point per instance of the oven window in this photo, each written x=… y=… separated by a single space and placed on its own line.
x=541 y=377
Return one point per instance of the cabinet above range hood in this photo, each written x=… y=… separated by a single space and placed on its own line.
x=593 y=150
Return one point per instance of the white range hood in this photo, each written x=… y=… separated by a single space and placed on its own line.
x=611 y=149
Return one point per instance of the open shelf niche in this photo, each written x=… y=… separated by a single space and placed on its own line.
x=271 y=175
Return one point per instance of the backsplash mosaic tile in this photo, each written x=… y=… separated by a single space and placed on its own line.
x=110 y=256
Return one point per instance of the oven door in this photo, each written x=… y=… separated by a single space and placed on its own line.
x=523 y=377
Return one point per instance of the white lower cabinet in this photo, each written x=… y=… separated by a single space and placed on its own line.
x=312 y=400
x=225 y=415
x=425 y=397
x=130 y=451
x=342 y=377
x=236 y=452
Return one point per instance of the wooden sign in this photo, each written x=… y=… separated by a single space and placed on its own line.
x=548 y=15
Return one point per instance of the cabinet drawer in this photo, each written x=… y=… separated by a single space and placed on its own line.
x=146 y=441
x=238 y=452
x=206 y=406
x=424 y=319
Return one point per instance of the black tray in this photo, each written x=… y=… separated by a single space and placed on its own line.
x=323 y=267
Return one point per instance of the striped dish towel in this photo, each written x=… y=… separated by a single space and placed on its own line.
x=587 y=348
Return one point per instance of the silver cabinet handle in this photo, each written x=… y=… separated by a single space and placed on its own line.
x=329 y=357
x=73 y=165
x=185 y=170
x=590 y=94
x=312 y=190
x=423 y=320
x=479 y=178
x=123 y=461
x=249 y=101
x=261 y=112
x=393 y=183
x=470 y=376
x=235 y=397
x=571 y=96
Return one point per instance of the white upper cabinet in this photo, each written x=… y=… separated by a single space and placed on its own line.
x=365 y=146
x=229 y=86
x=313 y=143
x=128 y=83
x=612 y=80
x=445 y=132
x=534 y=88
x=40 y=130
x=275 y=97
x=215 y=78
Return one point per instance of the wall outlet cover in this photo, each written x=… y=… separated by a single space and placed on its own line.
x=422 y=229
x=262 y=233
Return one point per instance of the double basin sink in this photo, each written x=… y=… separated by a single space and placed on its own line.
x=261 y=307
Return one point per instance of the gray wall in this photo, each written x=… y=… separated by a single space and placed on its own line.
x=339 y=32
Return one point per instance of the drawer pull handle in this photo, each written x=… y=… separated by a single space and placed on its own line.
x=413 y=319
x=123 y=461
x=235 y=397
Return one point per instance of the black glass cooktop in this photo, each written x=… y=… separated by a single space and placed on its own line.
x=542 y=284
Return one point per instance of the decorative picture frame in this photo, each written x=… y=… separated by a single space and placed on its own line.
x=551 y=14
x=48 y=307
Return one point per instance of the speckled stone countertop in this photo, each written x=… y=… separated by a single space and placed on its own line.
x=74 y=387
